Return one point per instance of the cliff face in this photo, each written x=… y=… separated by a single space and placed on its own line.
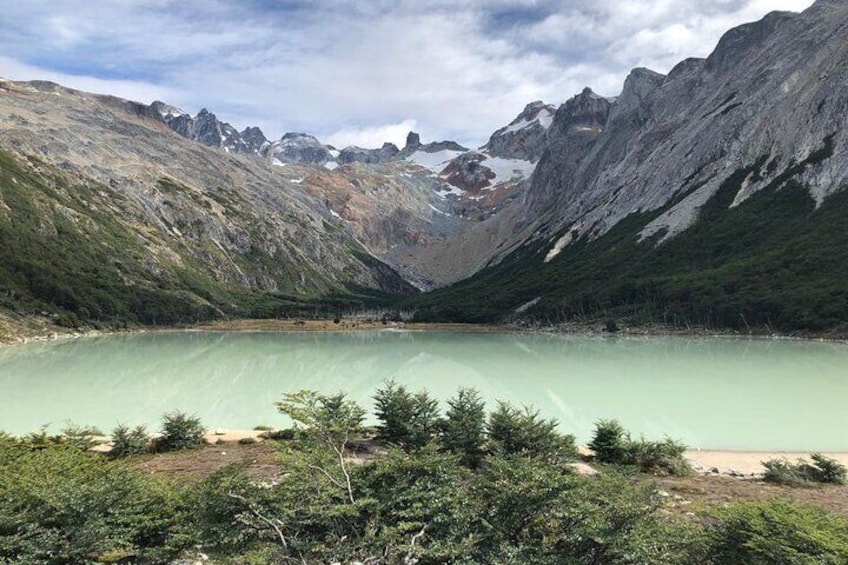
x=772 y=93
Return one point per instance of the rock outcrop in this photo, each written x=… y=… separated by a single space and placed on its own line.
x=525 y=137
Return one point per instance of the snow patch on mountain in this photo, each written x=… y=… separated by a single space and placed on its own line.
x=436 y=162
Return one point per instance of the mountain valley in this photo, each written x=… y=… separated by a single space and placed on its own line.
x=712 y=196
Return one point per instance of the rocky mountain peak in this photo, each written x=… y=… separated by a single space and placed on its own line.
x=254 y=139
x=632 y=104
x=166 y=110
x=297 y=147
x=355 y=154
x=736 y=43
x=413 y=141
x=413 y=145
x=524 y=137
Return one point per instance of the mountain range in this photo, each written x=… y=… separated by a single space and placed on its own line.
x=712 y=196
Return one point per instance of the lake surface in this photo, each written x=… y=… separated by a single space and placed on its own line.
x=708 y=392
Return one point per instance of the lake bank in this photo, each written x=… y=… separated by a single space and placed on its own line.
x=16 y=329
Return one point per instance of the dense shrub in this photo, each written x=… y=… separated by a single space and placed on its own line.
x=514 y=431
x=821 y=470
x=465 y=425
x=180 y=431
x=407 y=420
x=609 y=442
x=60 y=505
x=776 y=532
x=612 y=444
x=126 y=441
x=81 y=437
x=659 y=457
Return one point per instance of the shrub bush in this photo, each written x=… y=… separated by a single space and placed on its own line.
x=464 y=427
x=126 y=441
x=180 y=431
x=407 y=420
x=611 y=443
x=514 y=431
x=763 y=533
x=60 y=505
x=821 y=470
x=658 y=457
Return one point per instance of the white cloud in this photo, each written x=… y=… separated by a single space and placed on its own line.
x=357 y=72
x=130 y=89
x=372 y=136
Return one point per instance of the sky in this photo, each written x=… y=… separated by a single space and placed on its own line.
x=360 y=72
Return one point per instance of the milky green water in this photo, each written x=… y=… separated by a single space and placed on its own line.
x=708 y=392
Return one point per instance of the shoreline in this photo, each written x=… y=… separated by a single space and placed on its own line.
x=39 y=333
x=742 y=464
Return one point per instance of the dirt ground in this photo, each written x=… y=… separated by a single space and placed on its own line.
x=685 y=495
x=197 y=464
x=689 y=494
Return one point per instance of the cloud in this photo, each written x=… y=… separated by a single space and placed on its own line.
x=351 y=72
x=133 y=90
x=372 y=136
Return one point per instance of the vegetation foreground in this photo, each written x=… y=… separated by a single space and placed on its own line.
x=424 y=487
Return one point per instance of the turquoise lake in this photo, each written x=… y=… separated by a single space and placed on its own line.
x=718 y=393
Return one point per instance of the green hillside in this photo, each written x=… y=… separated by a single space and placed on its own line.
x=75 y=253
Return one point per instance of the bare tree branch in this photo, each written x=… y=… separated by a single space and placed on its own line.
x=274 y=525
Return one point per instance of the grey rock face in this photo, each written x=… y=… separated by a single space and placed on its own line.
x=300 y=148
x=355 y=154
x=254 y=140
x=205 y=128
x=773 y=92
x=413 y=144
x=525 y=137
x=573 y=133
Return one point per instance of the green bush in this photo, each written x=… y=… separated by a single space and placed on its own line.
x=784 y=472
x=609 y=442
x=81 y=437
x=60 y=505
x=407 y=420
x=180 y=431
x=464 y=428
x=776 y=532
x=658 y=457
x=126 y=441
x=514 y=431
x=612 y=444
x=821 y=470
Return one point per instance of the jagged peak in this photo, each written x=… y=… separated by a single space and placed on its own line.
x=413 y=140
x=296 y=135
x=737 y=41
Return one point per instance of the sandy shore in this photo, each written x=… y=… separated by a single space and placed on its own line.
x=746 y=462
x=733 y=463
